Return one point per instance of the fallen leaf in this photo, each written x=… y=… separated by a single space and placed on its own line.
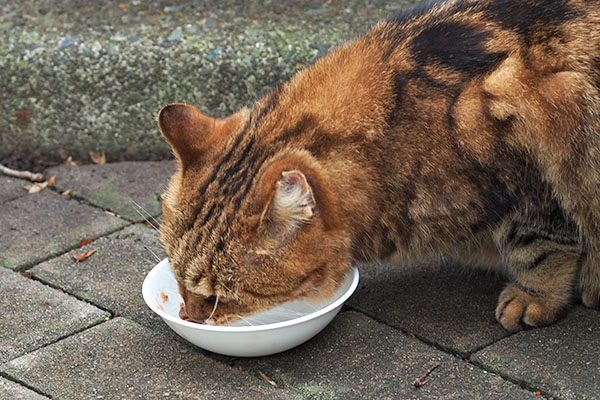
x=27 y=274
x=36 y=187
x=81 y=257
x=66 y=192
x=538 y=393
x=97 y=158
x=24 y=117
x=123 y=5
x=70 y=161
x=51 y=181
x=85 y=241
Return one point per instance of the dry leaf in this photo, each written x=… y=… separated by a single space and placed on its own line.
x=85 y=241
x=67 y=192
x=99 y=159
x=51 y=181
x=36 y=187
x=70 y=161
x=27 y=274
x=123 y=5
x=81 y=257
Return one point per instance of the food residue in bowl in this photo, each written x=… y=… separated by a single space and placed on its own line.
x=164 y=297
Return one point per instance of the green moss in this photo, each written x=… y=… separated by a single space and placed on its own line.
x=102 y=92
x=51 y=249
x=7 y=263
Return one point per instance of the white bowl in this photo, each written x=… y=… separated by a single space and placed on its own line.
x=270 y=332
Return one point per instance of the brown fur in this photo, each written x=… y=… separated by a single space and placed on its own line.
x=466 y=129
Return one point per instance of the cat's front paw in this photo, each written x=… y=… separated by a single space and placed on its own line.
x=517 y=309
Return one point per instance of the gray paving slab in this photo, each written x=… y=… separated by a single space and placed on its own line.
x=13 y=391
x=357 y=358
x=45 y=224
x=129 y=189
x=562 y=360
x=444 y=304
x=35 y=315
x=113 y=276
x=11 y=188
x=120 y=359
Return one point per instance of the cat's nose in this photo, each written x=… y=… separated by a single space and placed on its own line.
x=198 y=308
x=188 y=314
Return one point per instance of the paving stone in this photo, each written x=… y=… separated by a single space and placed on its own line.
x=41 y=225
x=120 y=359
x=125 y=188
x=10 y=390
x=446 y=305
x=356 y=358
x=112 y=277
x=34 y=315
x=12 y=188
x=562 y=359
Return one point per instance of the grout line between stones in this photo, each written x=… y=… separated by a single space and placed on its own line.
x=87 y=202
x=520 y=383
x=463 y=357
x=58 y=339
x=22 y=383
x=32 y=264
x=56 y=287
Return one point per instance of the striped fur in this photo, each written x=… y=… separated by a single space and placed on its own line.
x=465 y=129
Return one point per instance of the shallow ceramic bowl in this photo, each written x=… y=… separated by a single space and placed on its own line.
x=269 y=332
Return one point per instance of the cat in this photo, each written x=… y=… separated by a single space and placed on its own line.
x=461 y=129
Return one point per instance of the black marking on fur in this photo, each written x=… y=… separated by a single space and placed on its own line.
x=307 y=122
x=526 y=16
x=456 y=45
x=530 y=237
x=539 y=259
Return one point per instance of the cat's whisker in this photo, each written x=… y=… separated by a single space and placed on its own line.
x=148 y=217
x=147 y=260
x=244 y=319
x=153 y=253
x=237 y=296
x=213 y=311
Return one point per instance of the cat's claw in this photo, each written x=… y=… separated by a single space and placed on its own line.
x=517 y=308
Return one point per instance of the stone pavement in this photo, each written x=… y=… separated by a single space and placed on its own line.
x=80 y=330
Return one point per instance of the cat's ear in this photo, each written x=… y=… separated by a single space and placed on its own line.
x=190 y=132
x=293 y=203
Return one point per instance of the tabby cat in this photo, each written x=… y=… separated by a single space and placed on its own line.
x=462 y=129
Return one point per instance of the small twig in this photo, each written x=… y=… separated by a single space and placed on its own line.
x=420 y=381
x=21 y=174
x=267 y=379
x=258 y=391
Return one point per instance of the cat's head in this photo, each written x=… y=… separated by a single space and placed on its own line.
x=246 y=227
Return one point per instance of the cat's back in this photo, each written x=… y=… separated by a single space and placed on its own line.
x=473 y=36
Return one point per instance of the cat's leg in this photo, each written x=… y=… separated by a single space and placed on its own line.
x=589 y=279
x=565 y=147
x=544 y=269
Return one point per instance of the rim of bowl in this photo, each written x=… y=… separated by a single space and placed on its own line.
x=255 y=328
